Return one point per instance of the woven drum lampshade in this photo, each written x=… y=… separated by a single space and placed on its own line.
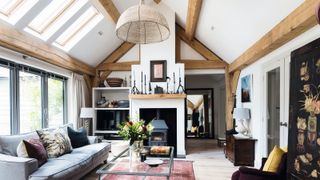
x=142 y=24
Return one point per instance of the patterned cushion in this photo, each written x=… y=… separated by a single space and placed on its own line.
x=56 y=142
x=36 y=150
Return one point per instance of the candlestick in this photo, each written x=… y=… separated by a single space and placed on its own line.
x=145 y=84
x=150 y=89
x=141 y=85
x=174 y=83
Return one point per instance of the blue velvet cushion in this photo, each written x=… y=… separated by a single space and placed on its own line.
x=78 y=138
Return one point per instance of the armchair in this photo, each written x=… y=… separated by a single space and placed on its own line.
x=245 y=173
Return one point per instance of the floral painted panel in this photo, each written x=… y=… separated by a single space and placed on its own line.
x=304 y=123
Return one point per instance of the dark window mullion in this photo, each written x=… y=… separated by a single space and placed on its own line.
x=15 y=111
x=44 y=99
x=65 y=102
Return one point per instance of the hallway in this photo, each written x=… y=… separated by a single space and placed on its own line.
x=209 y=160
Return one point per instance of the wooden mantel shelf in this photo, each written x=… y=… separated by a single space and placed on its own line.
x=157 y=96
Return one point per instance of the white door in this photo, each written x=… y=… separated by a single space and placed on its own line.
x=275 y=104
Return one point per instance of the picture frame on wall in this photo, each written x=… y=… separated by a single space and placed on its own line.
x=246 y=91
x=158 y=71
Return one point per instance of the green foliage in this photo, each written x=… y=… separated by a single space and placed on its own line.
x=135 y=130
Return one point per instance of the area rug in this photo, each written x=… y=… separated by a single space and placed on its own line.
x=182 y=170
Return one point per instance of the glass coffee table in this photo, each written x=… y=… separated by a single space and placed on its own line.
x=120 y=165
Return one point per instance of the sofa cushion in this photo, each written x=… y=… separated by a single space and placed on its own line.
x=21 y=150
x=56 y=142
x=273 y=160
x=69 y=166
x=36 y=150
x=9 y=144
x=78 y=138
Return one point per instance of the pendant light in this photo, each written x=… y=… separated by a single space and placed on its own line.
x=142 y=24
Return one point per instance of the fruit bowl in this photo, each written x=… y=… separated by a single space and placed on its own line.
x=114 y=82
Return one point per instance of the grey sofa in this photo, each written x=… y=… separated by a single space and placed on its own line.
x=70 y=166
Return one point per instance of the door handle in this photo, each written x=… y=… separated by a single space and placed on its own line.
x=285 y=124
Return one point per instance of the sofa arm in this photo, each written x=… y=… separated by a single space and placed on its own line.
x=250 y=173
x=93 y=139
x=12 y=167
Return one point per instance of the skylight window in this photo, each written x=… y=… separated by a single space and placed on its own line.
x=49 y=15
x=79 y=28
x=7 y=6
x=13 y=10
x=53 y=17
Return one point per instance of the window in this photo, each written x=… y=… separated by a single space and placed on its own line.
x=5 y=105
x=56 y=106
x=13 y=10
x=30 y=102
x=30 y=98
x=53 y=17
x=78 y=29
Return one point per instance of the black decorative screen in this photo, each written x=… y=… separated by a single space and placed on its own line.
x=304 y=123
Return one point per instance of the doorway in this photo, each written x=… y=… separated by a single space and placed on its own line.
x=199 y=113
x=275 y=104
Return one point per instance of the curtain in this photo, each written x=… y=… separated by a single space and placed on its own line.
x=80 y=98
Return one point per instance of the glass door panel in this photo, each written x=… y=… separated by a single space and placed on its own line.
x=30 y=102
x=273 y=108
x=55 y=102
x=5 y=106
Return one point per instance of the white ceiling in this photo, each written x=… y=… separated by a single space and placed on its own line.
x=236 y=26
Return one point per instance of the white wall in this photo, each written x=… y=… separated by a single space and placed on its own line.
x=257 y=124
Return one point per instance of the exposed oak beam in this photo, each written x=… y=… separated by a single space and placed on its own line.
x=194 y=8
x=296 y=23
x=178 y=48
x=190 y=104
x=229 y=99
x=198 y=104
x=112 y=58
x=202 y=64
x=120 y=66
x=197 y=45
x=231 y=81
x=111 y=9
x=157 y=1
x=30 y=46
x=118 y=53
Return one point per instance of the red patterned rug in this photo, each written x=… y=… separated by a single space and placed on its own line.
x=182 y=170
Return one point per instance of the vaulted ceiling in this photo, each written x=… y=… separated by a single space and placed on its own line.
x=227 y=27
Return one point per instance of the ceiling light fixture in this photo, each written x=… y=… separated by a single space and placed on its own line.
x=142 y=24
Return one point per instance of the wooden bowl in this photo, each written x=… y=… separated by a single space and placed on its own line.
x=114 y=82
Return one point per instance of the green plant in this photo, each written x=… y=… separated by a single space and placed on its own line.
x=135 y=130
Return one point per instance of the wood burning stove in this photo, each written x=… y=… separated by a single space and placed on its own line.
x=159 y=134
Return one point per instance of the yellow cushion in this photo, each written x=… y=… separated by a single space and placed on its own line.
x=285 y=149
x=273 y=160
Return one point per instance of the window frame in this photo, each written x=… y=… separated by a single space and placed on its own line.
x=15 y=69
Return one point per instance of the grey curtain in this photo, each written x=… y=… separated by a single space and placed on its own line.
x=80 y=98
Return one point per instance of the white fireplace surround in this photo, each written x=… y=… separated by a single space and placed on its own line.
x=137 y=104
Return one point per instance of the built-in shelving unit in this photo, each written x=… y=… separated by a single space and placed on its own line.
x=107 y=118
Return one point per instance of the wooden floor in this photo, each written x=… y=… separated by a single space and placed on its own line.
x=209 y=161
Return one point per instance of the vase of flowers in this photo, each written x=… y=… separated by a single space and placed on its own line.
x=136 y=132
